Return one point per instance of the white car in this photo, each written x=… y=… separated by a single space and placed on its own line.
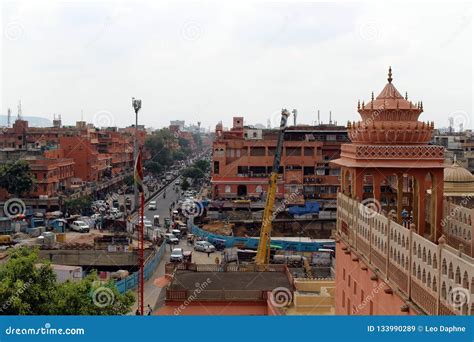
x=80 y=226
x=176 y=255
x=152 y=205
x=204 y=246
x=171 y=239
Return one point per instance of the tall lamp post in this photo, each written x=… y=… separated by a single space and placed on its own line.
x=137 y=104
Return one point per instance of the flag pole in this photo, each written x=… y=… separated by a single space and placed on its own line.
x=141 y=254
x=141 y=260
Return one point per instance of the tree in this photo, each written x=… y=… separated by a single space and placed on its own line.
x=25 y=289
x=179 y=155
x=202 y=164
x=28 y=287
x=184 y=185
x=193 y=172
x=78 y=205
x=129 y=180
x=16 y=178
x=153 y=167
x=91 y=297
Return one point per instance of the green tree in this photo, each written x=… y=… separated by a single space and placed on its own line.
x=184 y=185
x=16 y=177
x=91 y=297
x=193 y=172
x=28 y=287
x=25 y=289
x=179 y=155
x=153 y=167
x=76 y=206
x=129 y=180
x=202 y=164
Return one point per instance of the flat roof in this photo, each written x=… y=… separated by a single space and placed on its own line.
x=261 y=281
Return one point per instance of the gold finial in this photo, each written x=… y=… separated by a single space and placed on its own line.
x=363 y=104
x=421 y=105
x=358 y=104
x=389 y=79
x=406 y=95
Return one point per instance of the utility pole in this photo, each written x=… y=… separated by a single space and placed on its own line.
x=137 y=104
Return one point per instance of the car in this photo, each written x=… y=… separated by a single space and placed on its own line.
x=178 y=182
x=171 y=239
x=176 y=232
x=152 y=205
x=176 y=255
x=204 y=246
x=80 y=226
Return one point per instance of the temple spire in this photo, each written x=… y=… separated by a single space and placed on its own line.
x=389 y=79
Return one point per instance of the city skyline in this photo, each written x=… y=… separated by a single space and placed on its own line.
x=214 y=61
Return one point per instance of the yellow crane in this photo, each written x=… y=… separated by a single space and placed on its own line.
x=263 y=252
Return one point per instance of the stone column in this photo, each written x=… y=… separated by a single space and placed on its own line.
x=421 y=204
x=399 y=197
x=358 y=189
x=376 y=181
x=415 y=199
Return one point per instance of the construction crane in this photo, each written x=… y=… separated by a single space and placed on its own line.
x=263 y=252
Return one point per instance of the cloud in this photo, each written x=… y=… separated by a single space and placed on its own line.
x=212 y=61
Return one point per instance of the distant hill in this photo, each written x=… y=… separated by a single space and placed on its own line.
x=33 y=121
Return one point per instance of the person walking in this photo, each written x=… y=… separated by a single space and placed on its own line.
x=150 y=310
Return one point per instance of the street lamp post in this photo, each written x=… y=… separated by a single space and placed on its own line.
x=137 y=104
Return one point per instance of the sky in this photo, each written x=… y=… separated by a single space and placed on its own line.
x=210 y=61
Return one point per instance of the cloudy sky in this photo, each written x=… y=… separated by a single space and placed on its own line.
x=209 y=61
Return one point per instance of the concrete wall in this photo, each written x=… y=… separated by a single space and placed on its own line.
x=91 y=257
x=357 y=294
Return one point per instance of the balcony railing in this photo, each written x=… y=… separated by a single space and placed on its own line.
x=433 y=276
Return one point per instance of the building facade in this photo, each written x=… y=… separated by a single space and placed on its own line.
x=392 y=257
x=242 y=160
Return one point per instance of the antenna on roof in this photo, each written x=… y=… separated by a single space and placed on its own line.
x=9 y=117
x=319 y=120
x=451 y=124
x=330 y=118
x=295 y=114
x=19 y=111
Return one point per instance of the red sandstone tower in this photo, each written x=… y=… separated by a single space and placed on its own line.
x=390 y=164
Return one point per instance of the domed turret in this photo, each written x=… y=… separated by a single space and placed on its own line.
x=390 y=119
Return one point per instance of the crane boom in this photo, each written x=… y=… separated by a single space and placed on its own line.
x=263 y=252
